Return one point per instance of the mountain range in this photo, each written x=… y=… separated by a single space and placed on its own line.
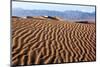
x=68 y=14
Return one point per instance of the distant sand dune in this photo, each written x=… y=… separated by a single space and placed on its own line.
x=43 y=41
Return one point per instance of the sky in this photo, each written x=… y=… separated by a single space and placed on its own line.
x=54 y=7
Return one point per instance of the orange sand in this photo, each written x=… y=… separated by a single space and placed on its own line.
x=47 y=41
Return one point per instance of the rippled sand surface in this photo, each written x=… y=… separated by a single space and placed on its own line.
x=47 y=41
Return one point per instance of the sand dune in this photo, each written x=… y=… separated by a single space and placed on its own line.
x=46 y=41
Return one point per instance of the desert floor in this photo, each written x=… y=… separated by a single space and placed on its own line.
x=47 y=41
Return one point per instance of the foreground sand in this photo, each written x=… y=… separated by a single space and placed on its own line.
x=36 y=41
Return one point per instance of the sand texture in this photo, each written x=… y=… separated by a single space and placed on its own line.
x=49 y=41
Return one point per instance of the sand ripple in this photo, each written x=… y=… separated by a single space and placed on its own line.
x=44 y=41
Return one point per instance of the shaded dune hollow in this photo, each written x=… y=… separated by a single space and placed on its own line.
x=48 y=41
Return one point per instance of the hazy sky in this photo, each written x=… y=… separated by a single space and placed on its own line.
x=56 y=7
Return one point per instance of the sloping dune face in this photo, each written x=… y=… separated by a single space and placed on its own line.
x=46 y=41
